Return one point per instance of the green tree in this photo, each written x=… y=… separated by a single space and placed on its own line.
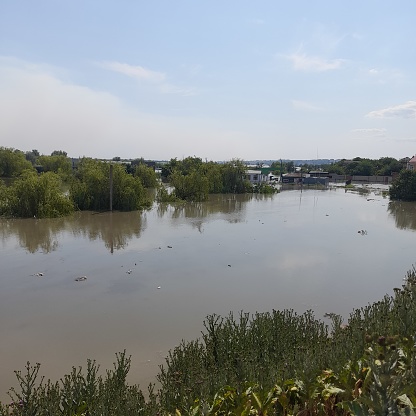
x=233 y=177
x=33 y=195
x=12 y=162
x=90 y=190
x=32 y=156
x=146 y=174
x=290 y=166
x=59 y=153
x=404 y=187
x=191 y=187
x=59 y=164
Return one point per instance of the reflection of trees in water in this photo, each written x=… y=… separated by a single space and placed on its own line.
x=232 y=205
x=34 y=234
x=404 y=214
x=115 y=229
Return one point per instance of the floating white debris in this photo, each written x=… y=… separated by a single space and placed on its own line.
x=159 y=287
x=81 y=278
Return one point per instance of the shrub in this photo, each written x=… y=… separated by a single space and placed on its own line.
x=33 y=195
x=90 y=190
x=404 y=186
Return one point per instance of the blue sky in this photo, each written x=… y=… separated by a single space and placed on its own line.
x=218 y=79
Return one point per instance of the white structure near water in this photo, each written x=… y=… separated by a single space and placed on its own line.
x=255 y=176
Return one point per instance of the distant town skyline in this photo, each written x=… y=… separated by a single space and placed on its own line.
x=218 y=80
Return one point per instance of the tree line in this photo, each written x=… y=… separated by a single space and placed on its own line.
x=47 y=186
x=39 y=180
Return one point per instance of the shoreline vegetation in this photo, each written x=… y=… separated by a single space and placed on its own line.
x=98 y=186
x=279 y=362
x=39 y=180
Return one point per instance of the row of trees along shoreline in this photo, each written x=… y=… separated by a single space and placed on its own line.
x=39 y=180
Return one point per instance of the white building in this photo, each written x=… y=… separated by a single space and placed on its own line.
x=255 y=176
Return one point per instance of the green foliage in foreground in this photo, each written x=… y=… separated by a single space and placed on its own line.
x=33 y=195
x=277 y=363
x=404 y=187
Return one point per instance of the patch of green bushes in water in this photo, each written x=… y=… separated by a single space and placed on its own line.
x=278 y=362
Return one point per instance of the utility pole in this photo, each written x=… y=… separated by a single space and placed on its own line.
x=111 y=187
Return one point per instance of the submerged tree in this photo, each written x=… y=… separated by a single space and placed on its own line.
x=404 y=186
x=33 y=195
x=193 y=179
x=146 y=174
x=91 y=188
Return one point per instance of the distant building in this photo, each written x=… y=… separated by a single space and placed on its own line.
x=411 y=164
x=255 y=176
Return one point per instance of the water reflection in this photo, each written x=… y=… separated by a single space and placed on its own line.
x=232 y=206
x=114 y=229
x=404 y=214
x=33 y=234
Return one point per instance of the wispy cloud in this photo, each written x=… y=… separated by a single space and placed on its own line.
x=406 y=110
x=303 y=105
x=144 y=74
x=303 y=62
x=134 y=71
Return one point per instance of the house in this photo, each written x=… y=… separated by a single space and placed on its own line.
x=255 y=176
x=292 y=177
x=411 y=164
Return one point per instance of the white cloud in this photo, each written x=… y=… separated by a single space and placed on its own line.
x=143 y=74
x=302 y=62
x=406 y=110
x=136 y=72
x=38 y=110
x=303 y=105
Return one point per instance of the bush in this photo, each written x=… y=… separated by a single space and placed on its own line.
x=147 y=175
x=13 y=162
x=404 y=187
x=33 y=195
x=90 y=190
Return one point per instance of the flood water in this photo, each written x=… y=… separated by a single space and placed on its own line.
x=153 y=277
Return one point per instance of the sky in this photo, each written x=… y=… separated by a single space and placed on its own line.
x=218 y=79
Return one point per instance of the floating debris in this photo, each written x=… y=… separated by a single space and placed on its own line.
x=362 y=232
x=159 y=287
x=39 y=274
x=80 y=279
x=229 y=265
x=129 y=271
x=169 y=246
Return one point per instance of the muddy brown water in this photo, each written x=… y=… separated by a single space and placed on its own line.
x=152 y=277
